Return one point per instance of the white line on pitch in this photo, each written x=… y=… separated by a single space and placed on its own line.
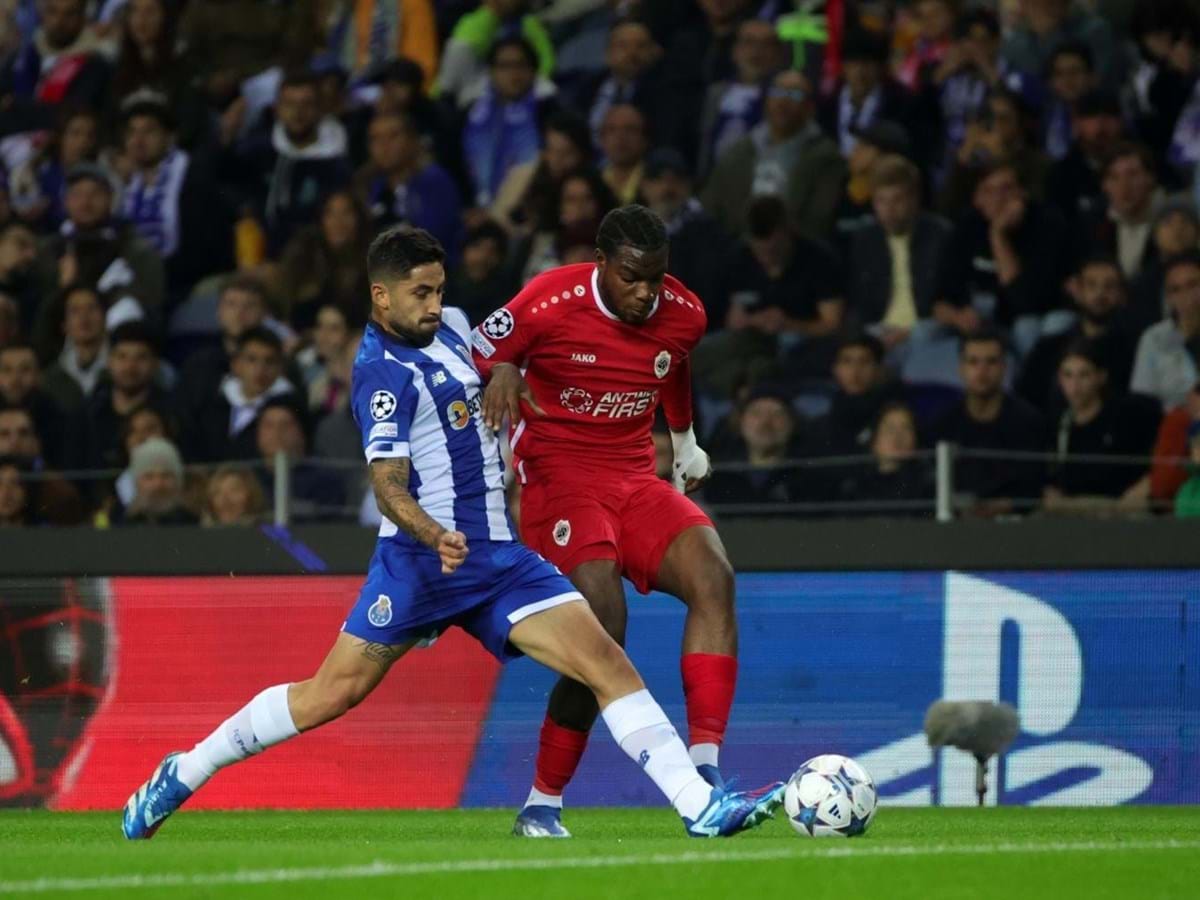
x=380 y=869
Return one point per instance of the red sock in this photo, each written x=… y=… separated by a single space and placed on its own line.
x=708 y=683
x=559 y=752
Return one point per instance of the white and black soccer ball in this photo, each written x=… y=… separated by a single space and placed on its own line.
x=830 y=796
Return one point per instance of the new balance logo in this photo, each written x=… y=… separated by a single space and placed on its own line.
x=644 y=758
x=439 y=378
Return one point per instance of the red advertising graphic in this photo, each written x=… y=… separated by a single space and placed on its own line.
x=167 y=660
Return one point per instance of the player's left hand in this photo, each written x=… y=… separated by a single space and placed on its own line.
x=452 y=548
x=692 y=466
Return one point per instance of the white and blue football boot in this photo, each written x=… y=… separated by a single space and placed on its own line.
x=150 y=804
x=712 y=775
x=729 y=812
x=540 y=822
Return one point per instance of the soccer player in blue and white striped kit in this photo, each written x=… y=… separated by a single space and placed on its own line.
x=446 y=556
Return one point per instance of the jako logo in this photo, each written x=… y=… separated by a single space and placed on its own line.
x=583 y=357
x=1050 y=673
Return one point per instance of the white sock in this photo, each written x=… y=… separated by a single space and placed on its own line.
x=704 y=754
x=537 y=798
x=643 y=731
x=263 y=722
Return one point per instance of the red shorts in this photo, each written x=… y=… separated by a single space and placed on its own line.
x=631 y=519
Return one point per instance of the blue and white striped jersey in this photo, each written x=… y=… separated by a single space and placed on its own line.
x=425 y=403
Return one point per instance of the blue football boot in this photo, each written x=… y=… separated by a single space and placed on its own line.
x=540 y=822
x=728 y=813
x=150 y=805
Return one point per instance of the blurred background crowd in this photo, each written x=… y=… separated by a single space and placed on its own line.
x=911 y=222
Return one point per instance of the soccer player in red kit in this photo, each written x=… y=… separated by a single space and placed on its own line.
x=579 y=361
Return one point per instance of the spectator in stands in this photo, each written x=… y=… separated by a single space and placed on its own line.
x=623 y=143
x=1094 y=424
x=17 y=494
x=1167 y=36
x=527 y=199
x=1043 y=25
x=39 y=184
x=228 y=41
x=502 y=124
x=327 y=362
x=1187 y=501
x=630 y=77
x=1005 y=260
x=1165 y=366
x=467 y=55
x=1101 y=303
x=893 y=263
x=867 y=93
x=222 y=430
x=880 y=138
x=895 y=482
x=304 y=157
x=132 y=362
x=1073 y=182
x=786 y=156
x=1176 y=231
x=1169 y=471
x=20 y=386
x=315 y=492
x=782 y=291
x=1071 y=76
x=767 y=427
x=989 y=419
x=583 y=201
x=148 y=59
x=172 y=200
x=92 y=248
x=83 y=360
x=1003 y=132
x=233 y=497
x=10 y=319
x=57 y=501
x=699 y=247
x=18 y=253
x=733 y=107
x=158 y=475
x=139 y=426
x=934 y=40
x=1124 y=228
x=325 y=263
x=63 y=63
x=481 y=282
x=363 y=34
x=18 y=436
x=862 y=390
x=403 y=184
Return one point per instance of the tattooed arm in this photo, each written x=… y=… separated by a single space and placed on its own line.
x=389 y=478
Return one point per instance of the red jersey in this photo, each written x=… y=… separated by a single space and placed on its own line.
x=599 y=379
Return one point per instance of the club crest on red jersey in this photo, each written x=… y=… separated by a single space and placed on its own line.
x=562 y=532
x=662 y=364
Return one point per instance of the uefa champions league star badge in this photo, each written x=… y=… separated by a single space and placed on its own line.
x=380 y=612
x=383 y=404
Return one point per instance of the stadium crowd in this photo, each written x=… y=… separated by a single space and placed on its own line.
x=950 y=221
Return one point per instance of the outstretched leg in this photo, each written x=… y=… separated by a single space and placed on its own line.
x=696 y=570
x=349 y=673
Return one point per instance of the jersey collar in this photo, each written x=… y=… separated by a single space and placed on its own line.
x=604 y=310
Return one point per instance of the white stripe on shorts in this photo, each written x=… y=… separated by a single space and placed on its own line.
x=542 y=605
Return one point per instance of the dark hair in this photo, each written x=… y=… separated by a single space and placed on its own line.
x=1084 y=348
x=1130 y=148
x=127 y=422
x=766 y=216
x=520 y=43
x=605 y=199
x=247 y=283
x=487 y=231
x=398 y=250
x=259 y=334
x=868 y=342
x=978 y=16
x=18 y=345
x=132 y=71
x=631 y=226
x=1186 y=258
x=133 y=332
x=1099 y=258
x=890 y=407
x=1071 y=48
x=990 y=167
x=408 y=122
x=24 y=468
x=149 y=105
x=572 y=126
x=985 y=335
x=290 y=404
x=300 y=78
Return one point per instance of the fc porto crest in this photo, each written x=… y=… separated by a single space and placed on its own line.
x=662 y=364
x=380 y=613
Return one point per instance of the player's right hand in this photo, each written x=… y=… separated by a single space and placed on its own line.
x=504 y=395
x=452 y=548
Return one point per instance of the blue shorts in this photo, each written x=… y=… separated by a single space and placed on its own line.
x=406 y=597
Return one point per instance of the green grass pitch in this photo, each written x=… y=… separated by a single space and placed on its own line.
x=1146 y=852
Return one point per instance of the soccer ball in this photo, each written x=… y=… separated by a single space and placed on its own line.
x=830 y=796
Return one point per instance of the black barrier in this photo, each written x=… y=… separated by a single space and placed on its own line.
x=755 y=545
